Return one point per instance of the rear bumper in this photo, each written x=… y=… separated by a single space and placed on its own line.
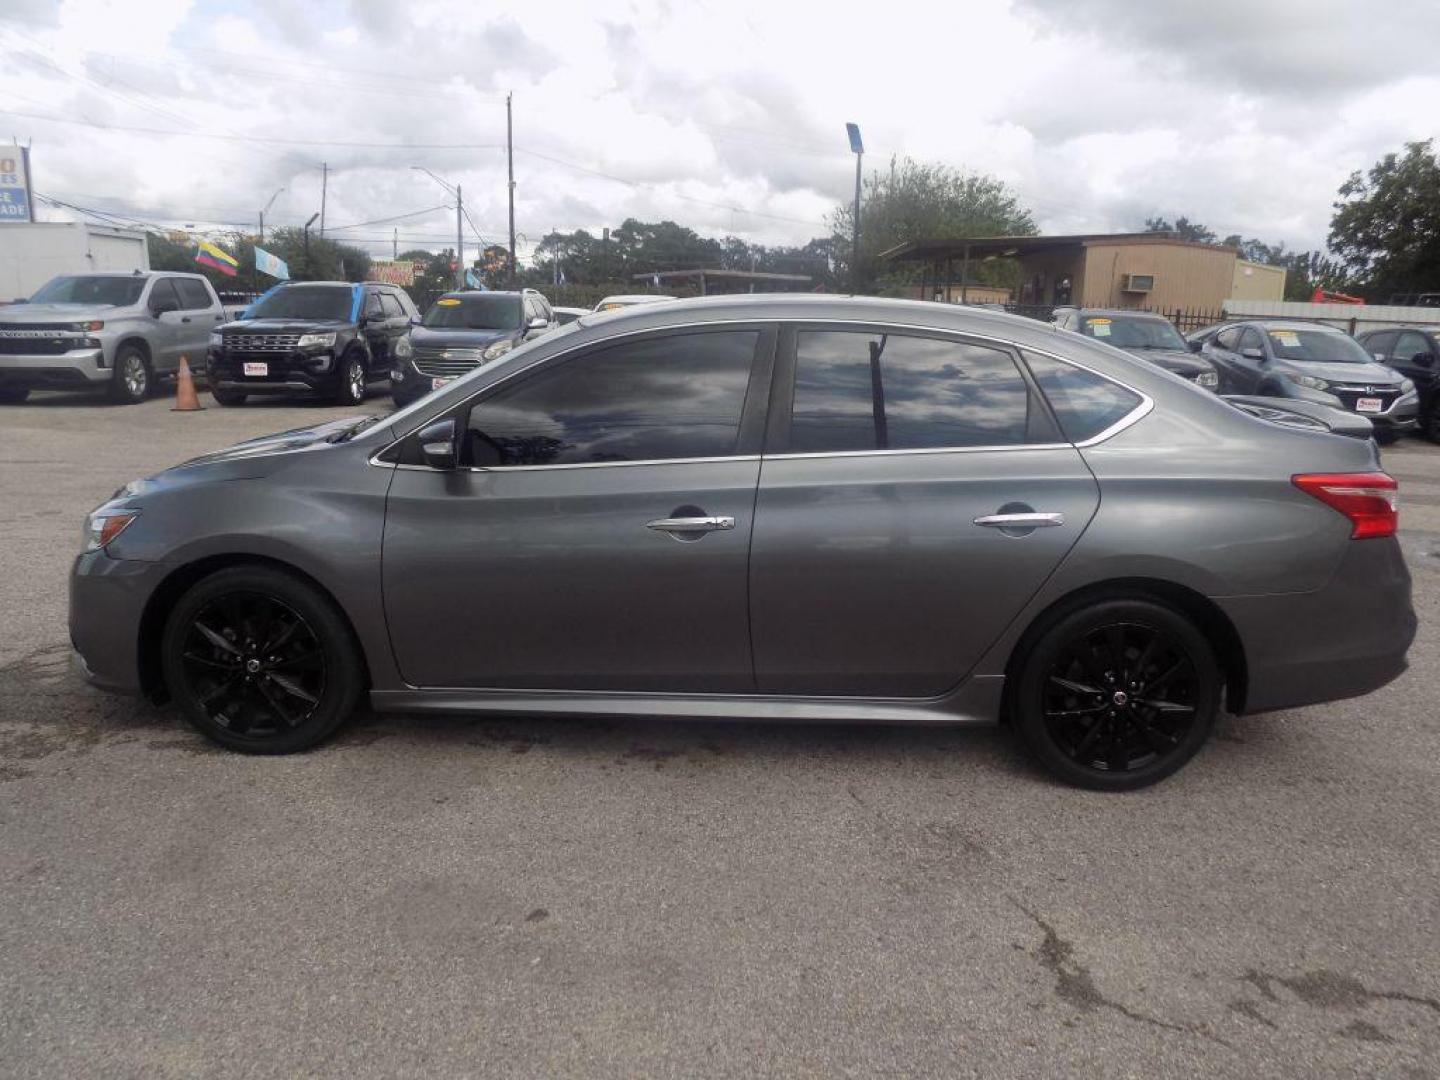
x=1341 y=641
x=76 y=367
x=107 y=602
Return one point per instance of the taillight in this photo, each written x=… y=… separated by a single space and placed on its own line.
x=1371 y=500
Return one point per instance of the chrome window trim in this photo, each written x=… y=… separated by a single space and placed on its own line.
x=1135 y=415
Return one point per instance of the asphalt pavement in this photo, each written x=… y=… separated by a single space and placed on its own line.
x=526 y=897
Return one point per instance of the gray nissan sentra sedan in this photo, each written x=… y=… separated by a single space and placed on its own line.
x=787 y=508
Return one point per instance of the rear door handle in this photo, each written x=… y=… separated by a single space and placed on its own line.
x=691 y=524
x=1020 y=521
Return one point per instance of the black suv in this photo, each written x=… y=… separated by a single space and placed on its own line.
x=1414 y=351
x=1143 y=334
x=463 y=330
x=329 y=338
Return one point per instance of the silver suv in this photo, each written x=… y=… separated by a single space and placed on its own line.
x=117 y=330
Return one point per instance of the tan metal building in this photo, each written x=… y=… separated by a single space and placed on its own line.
x=1256 y=281
x=1158 y=271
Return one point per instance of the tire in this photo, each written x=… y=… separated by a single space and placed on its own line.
x=351 y=390
x=1079 y=703
x=13 y=395
x=241 y=695
x=1430 y=420
x=227 y=397
x=132 y=379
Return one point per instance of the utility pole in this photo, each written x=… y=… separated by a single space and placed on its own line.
x=395 y=244
x=459 y=241
x=308 y=272
x=605 y=255
x=858 y=149
x=510 y=168
x=324 y=187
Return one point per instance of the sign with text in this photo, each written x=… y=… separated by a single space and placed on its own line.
x=392 y=271
x=15 y=203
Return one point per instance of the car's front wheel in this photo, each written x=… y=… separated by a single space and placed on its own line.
x=130 y=382
x=260 y=661
x=1117 y=694
x=351 y=390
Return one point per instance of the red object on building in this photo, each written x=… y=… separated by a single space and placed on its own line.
x=1320 y=296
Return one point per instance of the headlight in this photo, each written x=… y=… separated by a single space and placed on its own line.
x=106 y=524
x=318 y=341
x=216 y=341
x=89 y=327
x=1207 y=379
x=500 y=348
x=1309 y=380
x=1406 y=385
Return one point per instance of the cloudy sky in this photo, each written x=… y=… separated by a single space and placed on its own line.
x=725 y=115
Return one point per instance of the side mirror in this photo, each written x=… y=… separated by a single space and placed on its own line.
x=536 y=323
x=437 y=444
x=1252 y=353
x=1379 y=357
x=1196 y=346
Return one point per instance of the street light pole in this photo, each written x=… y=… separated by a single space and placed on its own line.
x=308 y=270
x=858 y=148
x=510 y=168
x=266 y=211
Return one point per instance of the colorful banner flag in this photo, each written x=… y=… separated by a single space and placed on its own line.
x=271 y=264
x=207 y=254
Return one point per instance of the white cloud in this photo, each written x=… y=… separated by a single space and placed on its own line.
x=727 y=117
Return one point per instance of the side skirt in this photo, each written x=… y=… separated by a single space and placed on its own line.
x=977 y=703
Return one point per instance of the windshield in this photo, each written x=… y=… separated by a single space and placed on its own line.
x=1317 y=347
x=1127 y=333
x=305 y=302
x=115 y=291
x=480 y=311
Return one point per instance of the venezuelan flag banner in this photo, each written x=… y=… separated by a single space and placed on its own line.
x=208 y=254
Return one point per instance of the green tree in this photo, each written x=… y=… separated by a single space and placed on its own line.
x=920 y=200
x=1183 y=228
x=1386 y=227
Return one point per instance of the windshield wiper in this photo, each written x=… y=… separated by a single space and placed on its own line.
x=365 y=423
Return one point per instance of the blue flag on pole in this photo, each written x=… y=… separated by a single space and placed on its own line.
x=270 y=264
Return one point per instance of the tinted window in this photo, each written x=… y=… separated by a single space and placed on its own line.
x=1228 y=339
x=1409 y=344
x=119 y=291
x=1084 y=403
x=677 y=396
x=1250 y=339
x=193 y=294
x=1379 y=343
x=305 y=302
x=475 y=311
x=372 y=304
x=164 y=296
x=874 y=391
x=391 y=306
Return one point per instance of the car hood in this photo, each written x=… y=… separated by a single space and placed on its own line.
x=47 y=313
x=436 y=338
x=1180 y=361
x=284 y=326
x=1373 y=374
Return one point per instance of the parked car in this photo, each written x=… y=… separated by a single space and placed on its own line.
x=1413 y=351
x=565 y=315
x=961 y=516
x=462 y=330
x=116 y=331
x=1150 y=337
x=1196 y=339
x=1315 y=362
x=612 y=303
x=326 y=338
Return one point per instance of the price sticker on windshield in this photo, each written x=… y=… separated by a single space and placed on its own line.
x=1288 y=338
x=1099 y=327
x=447 y=301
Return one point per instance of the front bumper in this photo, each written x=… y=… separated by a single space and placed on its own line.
x=1402 y=415
x=1343 y=640
x=74 y=367
x=108 y=598
x=286 y=372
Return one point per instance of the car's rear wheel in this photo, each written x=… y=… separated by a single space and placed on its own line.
x=260 y=661
x=131 y=381
x=1117 y=694
x=351 y=390
x=227 y=397
x=13 y=395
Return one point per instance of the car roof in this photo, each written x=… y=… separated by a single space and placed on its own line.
x=634 y=298
x=1423 y=328
x=1290 y=324
x=1127 y=312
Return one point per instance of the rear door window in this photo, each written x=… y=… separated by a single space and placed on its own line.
x=194 y=296
x=872 y=390
x=1085 y=403
x=1228 y=338
x=391 y=306
x=1408 y=346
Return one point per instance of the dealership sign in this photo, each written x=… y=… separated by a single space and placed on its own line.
x=392 y=271
x=15 y=204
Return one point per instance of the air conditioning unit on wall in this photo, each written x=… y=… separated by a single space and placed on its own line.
x=1137 y=283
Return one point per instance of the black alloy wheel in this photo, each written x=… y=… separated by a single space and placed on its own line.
x=260 y=661
x=1118 y=695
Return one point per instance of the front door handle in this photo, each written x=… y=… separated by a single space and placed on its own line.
x=691 y=524
x=1020 y=521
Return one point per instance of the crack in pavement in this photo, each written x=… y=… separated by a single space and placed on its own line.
x=1331 y=990
x=1074 y=984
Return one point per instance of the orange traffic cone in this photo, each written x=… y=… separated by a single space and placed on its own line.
x=186 y=400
